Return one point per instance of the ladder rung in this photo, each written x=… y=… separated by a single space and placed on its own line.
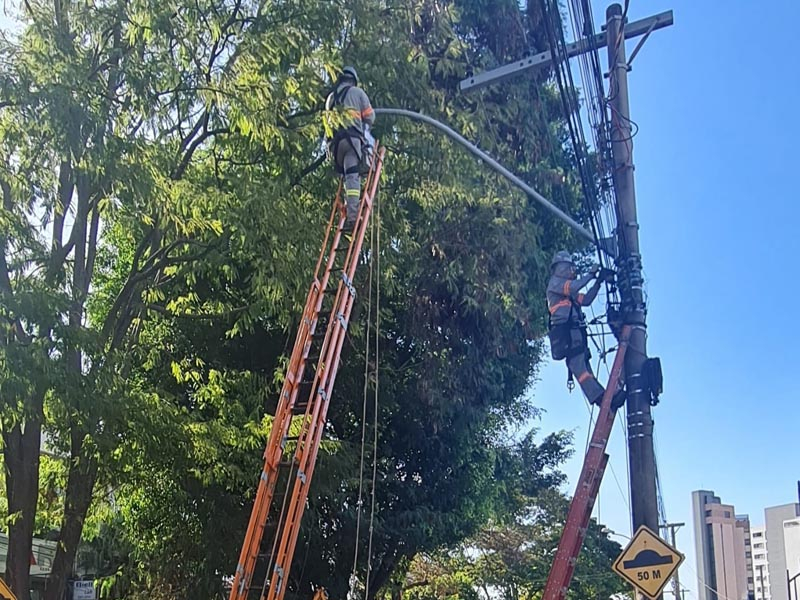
x=305 y=386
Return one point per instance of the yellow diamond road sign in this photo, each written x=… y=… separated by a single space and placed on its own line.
x=5 y=592
x=648 y=562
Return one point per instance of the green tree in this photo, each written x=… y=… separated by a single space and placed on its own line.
x=512 y=560
x=161 y=214
x=110 y=116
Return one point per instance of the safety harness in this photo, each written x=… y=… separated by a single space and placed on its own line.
x=561 y=344
x=343 y=134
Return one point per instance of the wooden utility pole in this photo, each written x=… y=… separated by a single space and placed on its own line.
x=676 y=582
x=639 y=386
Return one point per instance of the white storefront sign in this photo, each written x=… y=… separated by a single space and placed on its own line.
x=83 y=590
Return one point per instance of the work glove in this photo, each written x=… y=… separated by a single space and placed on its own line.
x=607 y=274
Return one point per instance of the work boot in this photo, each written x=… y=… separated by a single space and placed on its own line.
x=352 y=217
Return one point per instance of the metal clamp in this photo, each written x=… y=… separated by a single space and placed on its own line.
x=349 y=284
x=279 y=571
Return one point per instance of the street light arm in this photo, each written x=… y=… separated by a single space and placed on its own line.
x=475 y=151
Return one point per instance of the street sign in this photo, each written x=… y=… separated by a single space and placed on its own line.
x=5 y=591
x=83 y=590
x=648 y=562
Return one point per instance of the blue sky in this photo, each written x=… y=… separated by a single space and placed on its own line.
x=717 y=179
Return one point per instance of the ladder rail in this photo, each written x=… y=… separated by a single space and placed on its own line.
x=582 y=504
x=273 y=451
x=313 y=421
x=316 y=413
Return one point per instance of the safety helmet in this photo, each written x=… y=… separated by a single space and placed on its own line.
x=351 y=72
x=562 y=256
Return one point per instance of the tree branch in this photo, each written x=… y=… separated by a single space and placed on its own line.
x=190 y=149
x=92 y=250
x=5 y=280
x=64 y=199
x=309 y=169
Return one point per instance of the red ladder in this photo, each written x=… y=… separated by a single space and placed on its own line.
x=594 y=465
x=308 y=397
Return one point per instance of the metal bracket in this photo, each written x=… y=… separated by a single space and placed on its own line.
x=543 y=59
x=279 y=571
x=301 y=476
x=342 y=321
x=640 y=44
x=349 y=285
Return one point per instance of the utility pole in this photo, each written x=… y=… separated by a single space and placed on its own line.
x=642 y=375
x=644 y=500
x=676 y=582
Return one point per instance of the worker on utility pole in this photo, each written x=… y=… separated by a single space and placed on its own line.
x=568 y=337
x=349 y=142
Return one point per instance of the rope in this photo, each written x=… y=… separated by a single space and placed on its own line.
x=363 y=419
x=377 y=379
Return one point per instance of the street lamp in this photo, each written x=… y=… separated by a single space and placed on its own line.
x=607 y=531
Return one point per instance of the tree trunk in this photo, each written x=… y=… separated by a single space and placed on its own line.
x=21 y=454
x=80 y=484
x=382 y=574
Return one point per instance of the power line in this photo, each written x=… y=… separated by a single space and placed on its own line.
x=705 y=585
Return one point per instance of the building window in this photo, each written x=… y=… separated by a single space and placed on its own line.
x=708 y=513
x=748 y=554
x=759 y=557
x=727 y=514
x=758 y=534
x=758 y=546
x=749 y=580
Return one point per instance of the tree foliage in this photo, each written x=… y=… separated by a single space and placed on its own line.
x=162 y=205
x=511 y=561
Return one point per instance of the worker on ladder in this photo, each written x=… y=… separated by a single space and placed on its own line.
x=350 y=144
x=567 y=331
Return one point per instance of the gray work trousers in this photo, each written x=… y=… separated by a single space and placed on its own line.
x=347 y=160
x=579 y=366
